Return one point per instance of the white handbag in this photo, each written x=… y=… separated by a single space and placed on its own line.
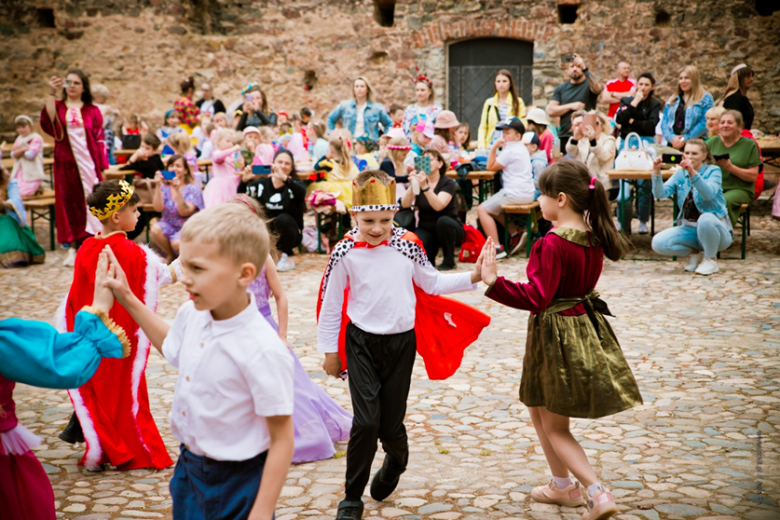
x=634 y=159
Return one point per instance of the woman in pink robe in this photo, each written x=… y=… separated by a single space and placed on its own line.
x=79 y=156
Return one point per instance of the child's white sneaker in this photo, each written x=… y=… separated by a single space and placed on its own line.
x=551 y=494
x=70 y=260
x=693 y=262
x=285 y=263
x=707 y=266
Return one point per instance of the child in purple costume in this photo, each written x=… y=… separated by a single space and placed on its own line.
x=319 y=421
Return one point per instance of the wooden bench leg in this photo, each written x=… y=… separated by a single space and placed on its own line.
x=319 y=233
x=529 y=224
x=745 y=230
x=52 y=225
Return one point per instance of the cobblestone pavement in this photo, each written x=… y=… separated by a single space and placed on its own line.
x=703 y=445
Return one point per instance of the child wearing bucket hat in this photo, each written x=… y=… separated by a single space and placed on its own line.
x=539 y=124
x=446 y=123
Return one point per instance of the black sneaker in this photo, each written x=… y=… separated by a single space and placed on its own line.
x=350 y=510
x=385 y=481
x=445 y=267
x=72 y=432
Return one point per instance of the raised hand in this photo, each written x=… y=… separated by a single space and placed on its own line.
x=487 y=260
x=103 y=298
x=117 y=281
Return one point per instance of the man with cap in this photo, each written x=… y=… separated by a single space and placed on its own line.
x=517 y=178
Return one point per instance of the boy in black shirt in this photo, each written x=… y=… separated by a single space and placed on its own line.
x=146 y=159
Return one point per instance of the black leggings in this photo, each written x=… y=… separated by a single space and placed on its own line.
x=446 y=233
x=288 y=236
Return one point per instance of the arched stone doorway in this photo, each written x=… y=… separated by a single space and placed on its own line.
x=472 y=65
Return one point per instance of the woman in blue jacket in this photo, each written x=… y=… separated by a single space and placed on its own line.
x=683 y=117
x=703 y=226
x=360 y=115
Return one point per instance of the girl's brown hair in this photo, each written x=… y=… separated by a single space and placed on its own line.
x=737 y=83
x=468 y=137
x=512 y=92
x=187 y=84
x=188 y=179
x=444 y=133
x=572 y=177
x=439 y=157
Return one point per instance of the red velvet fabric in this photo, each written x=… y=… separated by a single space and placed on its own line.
x=126 y=441
x=69 y=202
x=25 y=491
x=557 y=268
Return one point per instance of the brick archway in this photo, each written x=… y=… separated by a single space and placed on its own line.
x=435 y=34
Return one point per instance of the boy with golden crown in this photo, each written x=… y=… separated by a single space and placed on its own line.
x=112 y=409
x=378 y=306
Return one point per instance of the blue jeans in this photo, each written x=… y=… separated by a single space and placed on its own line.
x=207 y=489
x=710 y=235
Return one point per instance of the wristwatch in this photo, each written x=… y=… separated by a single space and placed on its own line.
x=426 y=189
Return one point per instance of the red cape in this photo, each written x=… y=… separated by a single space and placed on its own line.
x=443 y=327
x=113 y=406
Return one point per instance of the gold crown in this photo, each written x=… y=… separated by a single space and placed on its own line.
x=373 y=193
x=114 y=202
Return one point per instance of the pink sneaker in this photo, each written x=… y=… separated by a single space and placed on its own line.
x=600 y=507
x=552 y=494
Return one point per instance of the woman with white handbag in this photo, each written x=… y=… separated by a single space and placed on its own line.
x=638 y=116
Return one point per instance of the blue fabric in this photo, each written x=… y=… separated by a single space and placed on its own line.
x=16 y=199
x=695 y=122
x=374 y=115
x=707 y=189
x=204 y=489
x=710 y=235
x=34 y=353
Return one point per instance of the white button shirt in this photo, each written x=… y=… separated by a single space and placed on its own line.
x=232 y=375
x=381 y=292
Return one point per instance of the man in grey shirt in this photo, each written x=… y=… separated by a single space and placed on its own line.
x=581 y=92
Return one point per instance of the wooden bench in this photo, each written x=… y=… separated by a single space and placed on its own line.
x=529 y=211
x=148 y=213
x=38 y=210
x=743 y=222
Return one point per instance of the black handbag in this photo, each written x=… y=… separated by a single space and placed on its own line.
x=131 y=142
x=404 y=218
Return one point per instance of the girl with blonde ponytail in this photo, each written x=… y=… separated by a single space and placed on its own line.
x=573 y=365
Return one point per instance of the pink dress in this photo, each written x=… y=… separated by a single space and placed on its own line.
x=25 y=491
x=319 y=421
x=224 y=180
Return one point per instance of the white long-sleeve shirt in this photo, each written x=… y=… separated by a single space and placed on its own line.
x=381 y=292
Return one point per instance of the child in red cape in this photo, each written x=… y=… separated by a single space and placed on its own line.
x=380 y=305
x=113 y=407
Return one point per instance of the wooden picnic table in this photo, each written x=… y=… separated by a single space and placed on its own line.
x=125 y=152
x=114 y=172
x=770 y=149
x=484 y=180
x=630 y=178
x=6 y=148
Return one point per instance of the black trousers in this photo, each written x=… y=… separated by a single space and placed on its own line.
x=447 y=233
x=380 y=373
x=288 y=236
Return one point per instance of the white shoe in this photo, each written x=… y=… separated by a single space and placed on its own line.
x=707 y=266
x=694 y=261
x=285 y=263
x=643 y=228
x=500 y=253
x=70 y=261
x=520 y=243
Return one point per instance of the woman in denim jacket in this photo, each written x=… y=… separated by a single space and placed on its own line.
x=360 y=115
x=702 y=223
x=683 y=117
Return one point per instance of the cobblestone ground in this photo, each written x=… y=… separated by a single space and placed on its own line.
x=703 y=445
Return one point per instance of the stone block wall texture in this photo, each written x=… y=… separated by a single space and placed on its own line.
x=142 y=49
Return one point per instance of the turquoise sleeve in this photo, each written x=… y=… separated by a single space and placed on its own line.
x=34 y=353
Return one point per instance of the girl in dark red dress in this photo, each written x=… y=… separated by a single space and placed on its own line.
x=573 y=365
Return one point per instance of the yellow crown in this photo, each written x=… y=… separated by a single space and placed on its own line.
x=372 y=193
x=114 y=202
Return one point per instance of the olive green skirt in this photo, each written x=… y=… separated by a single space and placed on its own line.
x=573 y=365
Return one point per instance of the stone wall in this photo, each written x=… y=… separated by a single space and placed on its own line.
x=141 y=49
